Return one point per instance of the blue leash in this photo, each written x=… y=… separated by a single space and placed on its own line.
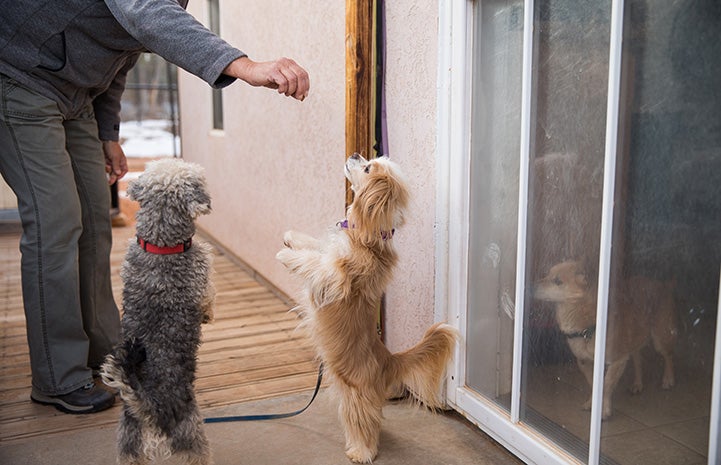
x=272 y=416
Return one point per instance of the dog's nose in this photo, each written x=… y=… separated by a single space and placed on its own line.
x=355 y=156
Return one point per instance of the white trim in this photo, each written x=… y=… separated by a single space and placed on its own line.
x=453 y=161
x=609 y=189
x=715 y=414
x=523 y=176
x=443 y=188
x=443 y=138
x=524 y=442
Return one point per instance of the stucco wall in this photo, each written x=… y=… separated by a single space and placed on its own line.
x=279 y=163
x=411 y=75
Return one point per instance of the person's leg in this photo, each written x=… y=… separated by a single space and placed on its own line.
x=100 y=313
x=35 y=164
x=117 y=217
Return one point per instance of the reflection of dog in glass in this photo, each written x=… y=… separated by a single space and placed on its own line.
x=642 y=309
x=345 y=277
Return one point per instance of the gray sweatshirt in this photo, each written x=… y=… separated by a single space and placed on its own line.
x=79 y=51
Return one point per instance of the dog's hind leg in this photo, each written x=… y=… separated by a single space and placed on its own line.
x=668 y=380
x=188 y=439
x=361 y=416
x=664 y=335
x=130 y=440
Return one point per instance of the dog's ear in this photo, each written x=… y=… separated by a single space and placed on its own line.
x=137 y=190
x=194 y=195
x=586 y=270
x=199 y=203
x=581 y=278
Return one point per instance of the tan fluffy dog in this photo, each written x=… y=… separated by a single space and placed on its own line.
x=345 y=277
x=643 y=309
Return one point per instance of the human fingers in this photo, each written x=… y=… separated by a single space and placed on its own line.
x=291 y=81
x=112 y=177
x=116 y=164
x=297 y=79
x=277 y=79
x=122 y=165
x=302 y=83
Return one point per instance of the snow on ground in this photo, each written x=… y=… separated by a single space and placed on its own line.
x=148 y=139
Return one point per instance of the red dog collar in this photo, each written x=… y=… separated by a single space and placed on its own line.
x=168 y=250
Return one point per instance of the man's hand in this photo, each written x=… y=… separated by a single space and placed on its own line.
x=116 y=165
x=283 y=74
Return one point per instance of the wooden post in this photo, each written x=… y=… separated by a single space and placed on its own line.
x=359 y=80
x=359 y=97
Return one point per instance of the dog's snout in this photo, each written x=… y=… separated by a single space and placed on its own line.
x=355 y=156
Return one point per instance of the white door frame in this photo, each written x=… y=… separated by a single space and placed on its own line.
x=452 y=207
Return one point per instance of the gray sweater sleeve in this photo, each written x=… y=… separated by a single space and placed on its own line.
x=165 y=28
x=107 y=104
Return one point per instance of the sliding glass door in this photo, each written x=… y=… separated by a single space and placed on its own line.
x=588 y=245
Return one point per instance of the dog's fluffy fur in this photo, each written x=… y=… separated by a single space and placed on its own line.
x=345 y=277
x=640 y=310
x=165 y=299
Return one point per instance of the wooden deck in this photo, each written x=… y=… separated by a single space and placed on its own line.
x=251 y=352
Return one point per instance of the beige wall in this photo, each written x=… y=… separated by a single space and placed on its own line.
x=412 y=57
x=279 y=163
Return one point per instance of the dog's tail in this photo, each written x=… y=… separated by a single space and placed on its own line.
x=420 y=369
x=121 y=370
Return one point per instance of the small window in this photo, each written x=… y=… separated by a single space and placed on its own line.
x=214 y=20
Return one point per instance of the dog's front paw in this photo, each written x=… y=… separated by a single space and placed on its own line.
x=287 y=257
x=360 y=454
x=283 y=256
x=288 y=239
x=300 y=241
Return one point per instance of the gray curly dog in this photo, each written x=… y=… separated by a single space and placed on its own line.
x=167 y=294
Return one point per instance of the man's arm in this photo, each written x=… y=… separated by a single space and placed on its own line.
x=164 y=27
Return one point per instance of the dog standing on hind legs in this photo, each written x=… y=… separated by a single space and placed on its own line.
x=167 y=294
x=345 y=276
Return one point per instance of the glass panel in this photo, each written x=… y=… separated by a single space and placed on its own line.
x=571 y=43
x=495 y=141
x=667 y=238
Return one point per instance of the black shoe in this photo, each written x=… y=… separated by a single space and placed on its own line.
x=88 y=399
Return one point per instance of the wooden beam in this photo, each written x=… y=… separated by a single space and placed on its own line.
x=359 y=80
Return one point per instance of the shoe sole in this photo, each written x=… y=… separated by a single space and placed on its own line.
x=69 y=408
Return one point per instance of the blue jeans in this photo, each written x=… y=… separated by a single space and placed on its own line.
x=56 y=168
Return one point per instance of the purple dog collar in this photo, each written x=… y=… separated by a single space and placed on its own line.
x=384 y=234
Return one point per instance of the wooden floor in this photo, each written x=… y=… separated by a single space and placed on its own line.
x=251 y=352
